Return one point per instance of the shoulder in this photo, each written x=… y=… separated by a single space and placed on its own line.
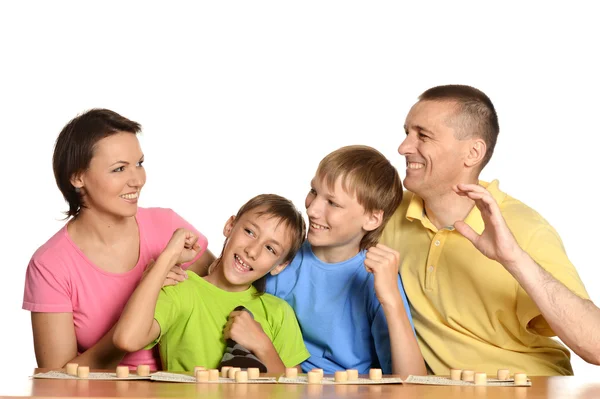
x=156 y=215
x=54 y=253
x=523 y=221
x=399 y=215
x=277 y=307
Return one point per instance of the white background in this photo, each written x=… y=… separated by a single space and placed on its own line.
x=238 y=98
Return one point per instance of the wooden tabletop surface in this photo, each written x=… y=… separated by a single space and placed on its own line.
x=542 y=387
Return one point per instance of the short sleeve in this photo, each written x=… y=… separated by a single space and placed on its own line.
x=47 y=288
x=287 y=340
x=179 y=222
x=546 y=249
x=167 y=311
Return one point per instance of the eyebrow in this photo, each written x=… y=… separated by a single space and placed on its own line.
x=418 y=127
x=274 y=241
x=125 y=162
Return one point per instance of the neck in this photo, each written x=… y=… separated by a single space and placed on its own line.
x=443 y=210
x=102 y=228
x=335 y=254
x=217 y=278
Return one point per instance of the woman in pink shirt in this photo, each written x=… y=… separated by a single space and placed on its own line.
x=78 y=282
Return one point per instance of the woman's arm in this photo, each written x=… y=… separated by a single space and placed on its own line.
x=55 y=344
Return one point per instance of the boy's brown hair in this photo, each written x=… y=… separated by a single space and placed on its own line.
x=368 y=176
x=283 y=209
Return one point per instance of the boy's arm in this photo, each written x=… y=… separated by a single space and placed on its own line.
x=243 y=329
x=406 y=355
x=137 y=327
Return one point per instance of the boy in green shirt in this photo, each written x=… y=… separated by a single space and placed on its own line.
x=192 y=320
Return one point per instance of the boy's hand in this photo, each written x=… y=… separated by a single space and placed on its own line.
x=184 y=245
x=383 y=262
x=244 y=330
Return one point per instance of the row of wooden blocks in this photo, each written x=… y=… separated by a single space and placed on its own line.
x=480 y=378
x=122 y=371
x=315 y=376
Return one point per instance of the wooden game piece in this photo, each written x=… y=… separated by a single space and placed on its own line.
x=253 y=373
x=143 y=370
x=291 y=372
x=455 y=374
x=375 y=374
x=468 y=375
x=320 y=371
x=202 y=376
x=198 y=368
x=480 y=379
x=213 y=375
x=72 y=368
x=503 y=374
x=122 y=371
x=340 y=376
x=225 y=371
x=314 y=377
x=231 y=372
x=83 y=371
x=520 y=379
x=241 y=376
x=352 y=374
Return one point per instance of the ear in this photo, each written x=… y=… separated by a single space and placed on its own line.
x=279 y=268
x=229 y=226
x=374 y=220
x=477 y=150
x=77 y=180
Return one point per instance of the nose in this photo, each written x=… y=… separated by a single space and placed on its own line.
x=314 y=207
x=252 y=249
x=407 y=146
x=137 y=178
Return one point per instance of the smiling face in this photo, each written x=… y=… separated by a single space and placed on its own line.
x=435 y=159
x=112 y=183
x=257 y=243
x=337 y=221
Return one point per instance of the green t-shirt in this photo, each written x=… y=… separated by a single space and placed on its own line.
x=193 y=313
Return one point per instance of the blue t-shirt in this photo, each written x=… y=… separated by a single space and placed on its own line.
x=341 y=319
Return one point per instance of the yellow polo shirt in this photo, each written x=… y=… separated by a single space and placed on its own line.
x=468 y=311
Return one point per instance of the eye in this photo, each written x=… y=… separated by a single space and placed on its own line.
x=271 y=249
x=139 y=164
x=119 y=169
x=333 y=203
x=422 y=136
x=249 y=232
x=312 y=191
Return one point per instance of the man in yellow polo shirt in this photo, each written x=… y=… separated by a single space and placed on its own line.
x=487 y=277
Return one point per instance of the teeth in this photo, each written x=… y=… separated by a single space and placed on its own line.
x=130 y=196
x=317 y=226
x=241 y=262
x=414 y=165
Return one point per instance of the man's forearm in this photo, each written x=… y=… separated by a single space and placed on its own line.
x=576 y=321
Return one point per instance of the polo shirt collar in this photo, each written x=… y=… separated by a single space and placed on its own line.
x=416 y=209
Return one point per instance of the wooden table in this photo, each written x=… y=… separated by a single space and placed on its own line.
x=543 y=387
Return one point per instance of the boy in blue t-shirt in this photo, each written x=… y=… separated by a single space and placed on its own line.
x=343 y=286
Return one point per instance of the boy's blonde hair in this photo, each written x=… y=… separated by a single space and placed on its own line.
x=367 y=175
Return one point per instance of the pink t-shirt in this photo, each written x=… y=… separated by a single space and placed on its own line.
x=60 y=278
